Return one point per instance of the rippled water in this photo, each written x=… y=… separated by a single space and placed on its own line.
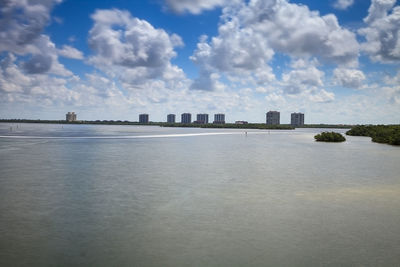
x=91 y=195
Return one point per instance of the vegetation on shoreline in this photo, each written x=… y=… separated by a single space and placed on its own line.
x=333 y=126
x=329 y=137
x=261 y=126
x=387 y=134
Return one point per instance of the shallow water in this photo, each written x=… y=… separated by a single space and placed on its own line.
x=99 y=195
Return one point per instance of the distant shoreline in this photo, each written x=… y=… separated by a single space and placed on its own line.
x=261 y=126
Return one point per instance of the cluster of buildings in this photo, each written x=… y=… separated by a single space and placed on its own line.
x=187 y=118
x=273 y=118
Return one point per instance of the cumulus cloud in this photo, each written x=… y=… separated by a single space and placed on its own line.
x=351 y=78
x=343 y=4
x=297 y=80
x=130 y=48
x=193 y=6
x=21 y=27
x=38 y=64
x=19 y=86
x=70 y=52
x=392 y=88
x=383 y=31
x=297 y=31
x=16 y=85
x=378 y=9
x=251 y=34
x=22 y=22
x=322 y=96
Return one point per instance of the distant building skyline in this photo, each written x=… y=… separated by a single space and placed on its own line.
x=171 y=118
x=297 y=119
x=202 y=118
x=219 y=118
x=273 y=118
x=70 y=116
x=186 y=118
x=338 y=61
x=144 y=118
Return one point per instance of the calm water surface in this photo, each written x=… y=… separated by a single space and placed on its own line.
x=91 y=195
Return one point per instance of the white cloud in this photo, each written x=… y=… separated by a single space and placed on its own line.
x=251 y=34
x=383 y=31
x=193 y=6
x=299 y=80
x=39 y=89
x=322 y=96
x=306 y=83
x=392 y=88
x=22 y=24
x=295 y=30
x=379 y=10
x=343 y=4
x=132 y=49
x=351 y=78
x=70 y=52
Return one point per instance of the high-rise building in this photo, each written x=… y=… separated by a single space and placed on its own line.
x=297 y=119
x=202 y=118
x=143 y=118
x=186 y=118
x=273 y=118
x=70 y=116
x=219 y=118
x=171 y=118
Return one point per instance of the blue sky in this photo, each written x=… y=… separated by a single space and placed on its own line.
x=337 y=60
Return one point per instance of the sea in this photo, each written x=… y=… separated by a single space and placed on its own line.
x=120 y=195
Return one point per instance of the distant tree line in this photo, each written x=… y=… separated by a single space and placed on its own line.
x=261 y=126
x=330 y=137
x=388 y=134
x=162 y=124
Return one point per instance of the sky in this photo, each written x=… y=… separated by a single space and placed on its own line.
x=336 y=61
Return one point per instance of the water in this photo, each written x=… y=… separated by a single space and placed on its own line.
x=85 y=195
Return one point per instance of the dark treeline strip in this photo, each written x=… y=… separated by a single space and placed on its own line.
x=231 y=126
x=162 y=124
x=329 y=137
x=104 y=122
x=388 y=134
x=193 y=125
x=335 y=126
